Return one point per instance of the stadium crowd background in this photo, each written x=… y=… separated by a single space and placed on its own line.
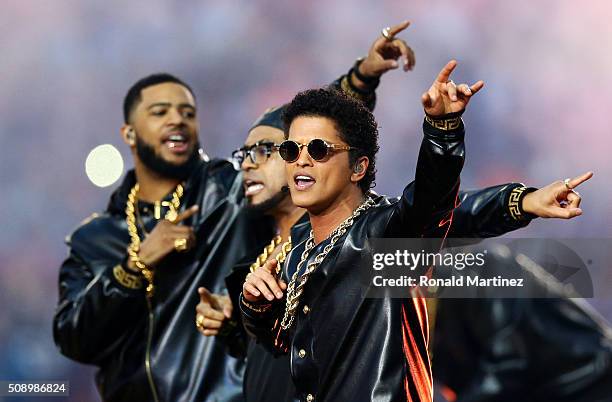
x=543 y=115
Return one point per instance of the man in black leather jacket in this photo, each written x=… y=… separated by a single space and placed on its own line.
x=481 y=213
x=128 y=287
x=343 y=346
x=147 y=347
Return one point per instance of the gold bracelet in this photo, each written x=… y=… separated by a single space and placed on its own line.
x=258 y=309
x=145 y=271
x=445 y=124
x=126 y=279
x=346 y=88
x=514 y=203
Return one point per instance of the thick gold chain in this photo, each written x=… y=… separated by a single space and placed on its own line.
x=280 y=257
x=134 y=246
x=294 y=293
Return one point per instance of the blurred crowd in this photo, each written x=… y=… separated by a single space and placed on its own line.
x=65 y=66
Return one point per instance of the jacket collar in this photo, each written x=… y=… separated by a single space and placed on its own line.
x=116 y=204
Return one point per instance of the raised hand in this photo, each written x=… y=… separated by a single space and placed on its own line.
x=263 y=284
x=445 y=97
x=557 y=200
x=167 y=237
x=385 y=52
x=212 y=312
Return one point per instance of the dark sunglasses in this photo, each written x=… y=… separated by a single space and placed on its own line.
x=318 y=149
x=258 y=152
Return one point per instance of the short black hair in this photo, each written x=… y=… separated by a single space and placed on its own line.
x=133 y=96
x=354 y=122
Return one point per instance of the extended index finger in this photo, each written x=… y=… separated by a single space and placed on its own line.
x=205 y=296
x=189 y=212
x=446 y=72
x=394 y=30
x=576 y=181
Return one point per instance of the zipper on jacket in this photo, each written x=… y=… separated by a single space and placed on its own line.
x=148 y=352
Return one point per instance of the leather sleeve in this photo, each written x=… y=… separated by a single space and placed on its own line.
x=485 y=213
x=96 y=308
x=426 y=204
x=237 y=339
x=265 y=327
x=369 y=99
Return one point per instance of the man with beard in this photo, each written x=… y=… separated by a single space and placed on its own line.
x=128 y=287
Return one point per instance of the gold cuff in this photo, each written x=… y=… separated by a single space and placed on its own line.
x=346 y=88
x=446 y=124
x=514 y=207
x=256 y=308
x=126 y=279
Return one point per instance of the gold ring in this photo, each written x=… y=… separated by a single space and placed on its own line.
x=566 y=182
x=386 y=33
x=180 y=245
x=199 y=321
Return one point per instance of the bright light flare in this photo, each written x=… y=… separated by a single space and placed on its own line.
x=104 y=165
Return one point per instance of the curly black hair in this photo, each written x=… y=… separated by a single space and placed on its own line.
x=354 y=122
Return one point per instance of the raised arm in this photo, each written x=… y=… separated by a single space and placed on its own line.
x=426 y=205
x=385 y=54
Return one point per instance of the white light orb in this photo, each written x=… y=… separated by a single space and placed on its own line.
x=104 y=165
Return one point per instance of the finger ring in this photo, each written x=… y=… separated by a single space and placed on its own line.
x=180 y=245
x=567 y=185
x=199 y=321
x=452 y=83
x=386 y=33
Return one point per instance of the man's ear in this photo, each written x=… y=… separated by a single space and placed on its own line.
x=359 y=169
x=128 y=134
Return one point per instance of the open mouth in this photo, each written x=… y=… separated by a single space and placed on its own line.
x=176 y=142
x=303 y=182
x=252 y=187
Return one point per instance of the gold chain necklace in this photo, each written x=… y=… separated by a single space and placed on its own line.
x=294 y=293
x=130 y=218
x=280 y=257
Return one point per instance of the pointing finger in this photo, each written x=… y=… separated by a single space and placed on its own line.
x=445 y=73
x=394 y=30
x=208 y=298
x=205 y=295
x=186 y=214
x=576 y=181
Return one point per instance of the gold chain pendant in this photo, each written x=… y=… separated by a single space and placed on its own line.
x=134 y=246
x=280 y=257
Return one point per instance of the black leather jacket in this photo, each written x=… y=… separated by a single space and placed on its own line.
x=153 y=352
x=346 y=347
x=481 y=213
